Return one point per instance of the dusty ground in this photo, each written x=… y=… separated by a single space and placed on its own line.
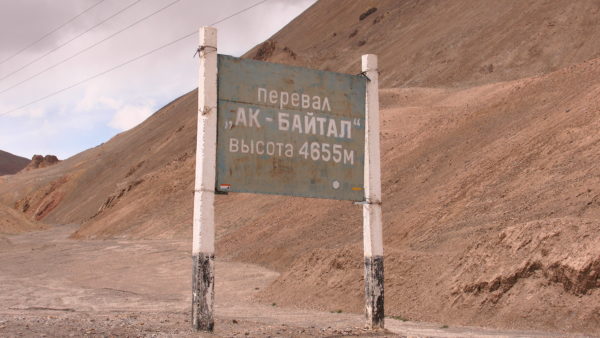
x=469 y=175
x=14 y=222
x=490 y=216
x=491 y=183
x=53 y=286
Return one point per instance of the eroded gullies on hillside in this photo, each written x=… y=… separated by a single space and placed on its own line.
x=467 y=159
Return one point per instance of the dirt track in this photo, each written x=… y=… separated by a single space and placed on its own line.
x=50 y=285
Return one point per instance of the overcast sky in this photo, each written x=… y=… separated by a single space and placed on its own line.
x=91 y=113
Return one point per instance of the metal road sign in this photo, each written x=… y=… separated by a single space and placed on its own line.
x=289 y=130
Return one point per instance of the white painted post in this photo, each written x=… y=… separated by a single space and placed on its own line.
x=204 y=191
x=372 y=232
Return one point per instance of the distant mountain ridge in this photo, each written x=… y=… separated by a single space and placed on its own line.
x=11 y=164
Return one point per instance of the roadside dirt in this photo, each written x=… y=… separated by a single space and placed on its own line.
x=490 y=152
x=14 y=222
x=53 y=286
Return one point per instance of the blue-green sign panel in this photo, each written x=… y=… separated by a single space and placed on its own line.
x=289 y=130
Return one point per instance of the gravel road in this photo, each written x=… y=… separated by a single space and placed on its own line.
x=53 y=286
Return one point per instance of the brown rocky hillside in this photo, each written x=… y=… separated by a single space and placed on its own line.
x=491 y=185
x=11 y=164
x=441 y=43
x=12 y=222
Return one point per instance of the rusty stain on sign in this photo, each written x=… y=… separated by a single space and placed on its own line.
x=289 y=130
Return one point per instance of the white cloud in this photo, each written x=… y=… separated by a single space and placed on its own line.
x=92 y=112
x=93 y=99
x=31 y=112
x=130 y=116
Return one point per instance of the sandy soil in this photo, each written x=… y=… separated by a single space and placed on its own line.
x=14 y=222
x=53 y=286
x=490 y=148
x=440 y=43
x=511 y=164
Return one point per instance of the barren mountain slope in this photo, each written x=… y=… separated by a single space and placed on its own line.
x=90 y=184
x=491 y=210
x=441 y=43
x=12 y=222
x=491 y=200
x=11 y=164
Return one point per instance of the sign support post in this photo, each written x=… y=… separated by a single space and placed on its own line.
x=204 y=189
x=372 y=225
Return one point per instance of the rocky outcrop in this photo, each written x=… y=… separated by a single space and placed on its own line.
x=39 y=161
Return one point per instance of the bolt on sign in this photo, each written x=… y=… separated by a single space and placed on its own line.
x=289 y=130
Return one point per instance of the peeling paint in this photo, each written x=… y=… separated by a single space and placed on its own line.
x=203 y=289
x=290 y=130
x=374 y=295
